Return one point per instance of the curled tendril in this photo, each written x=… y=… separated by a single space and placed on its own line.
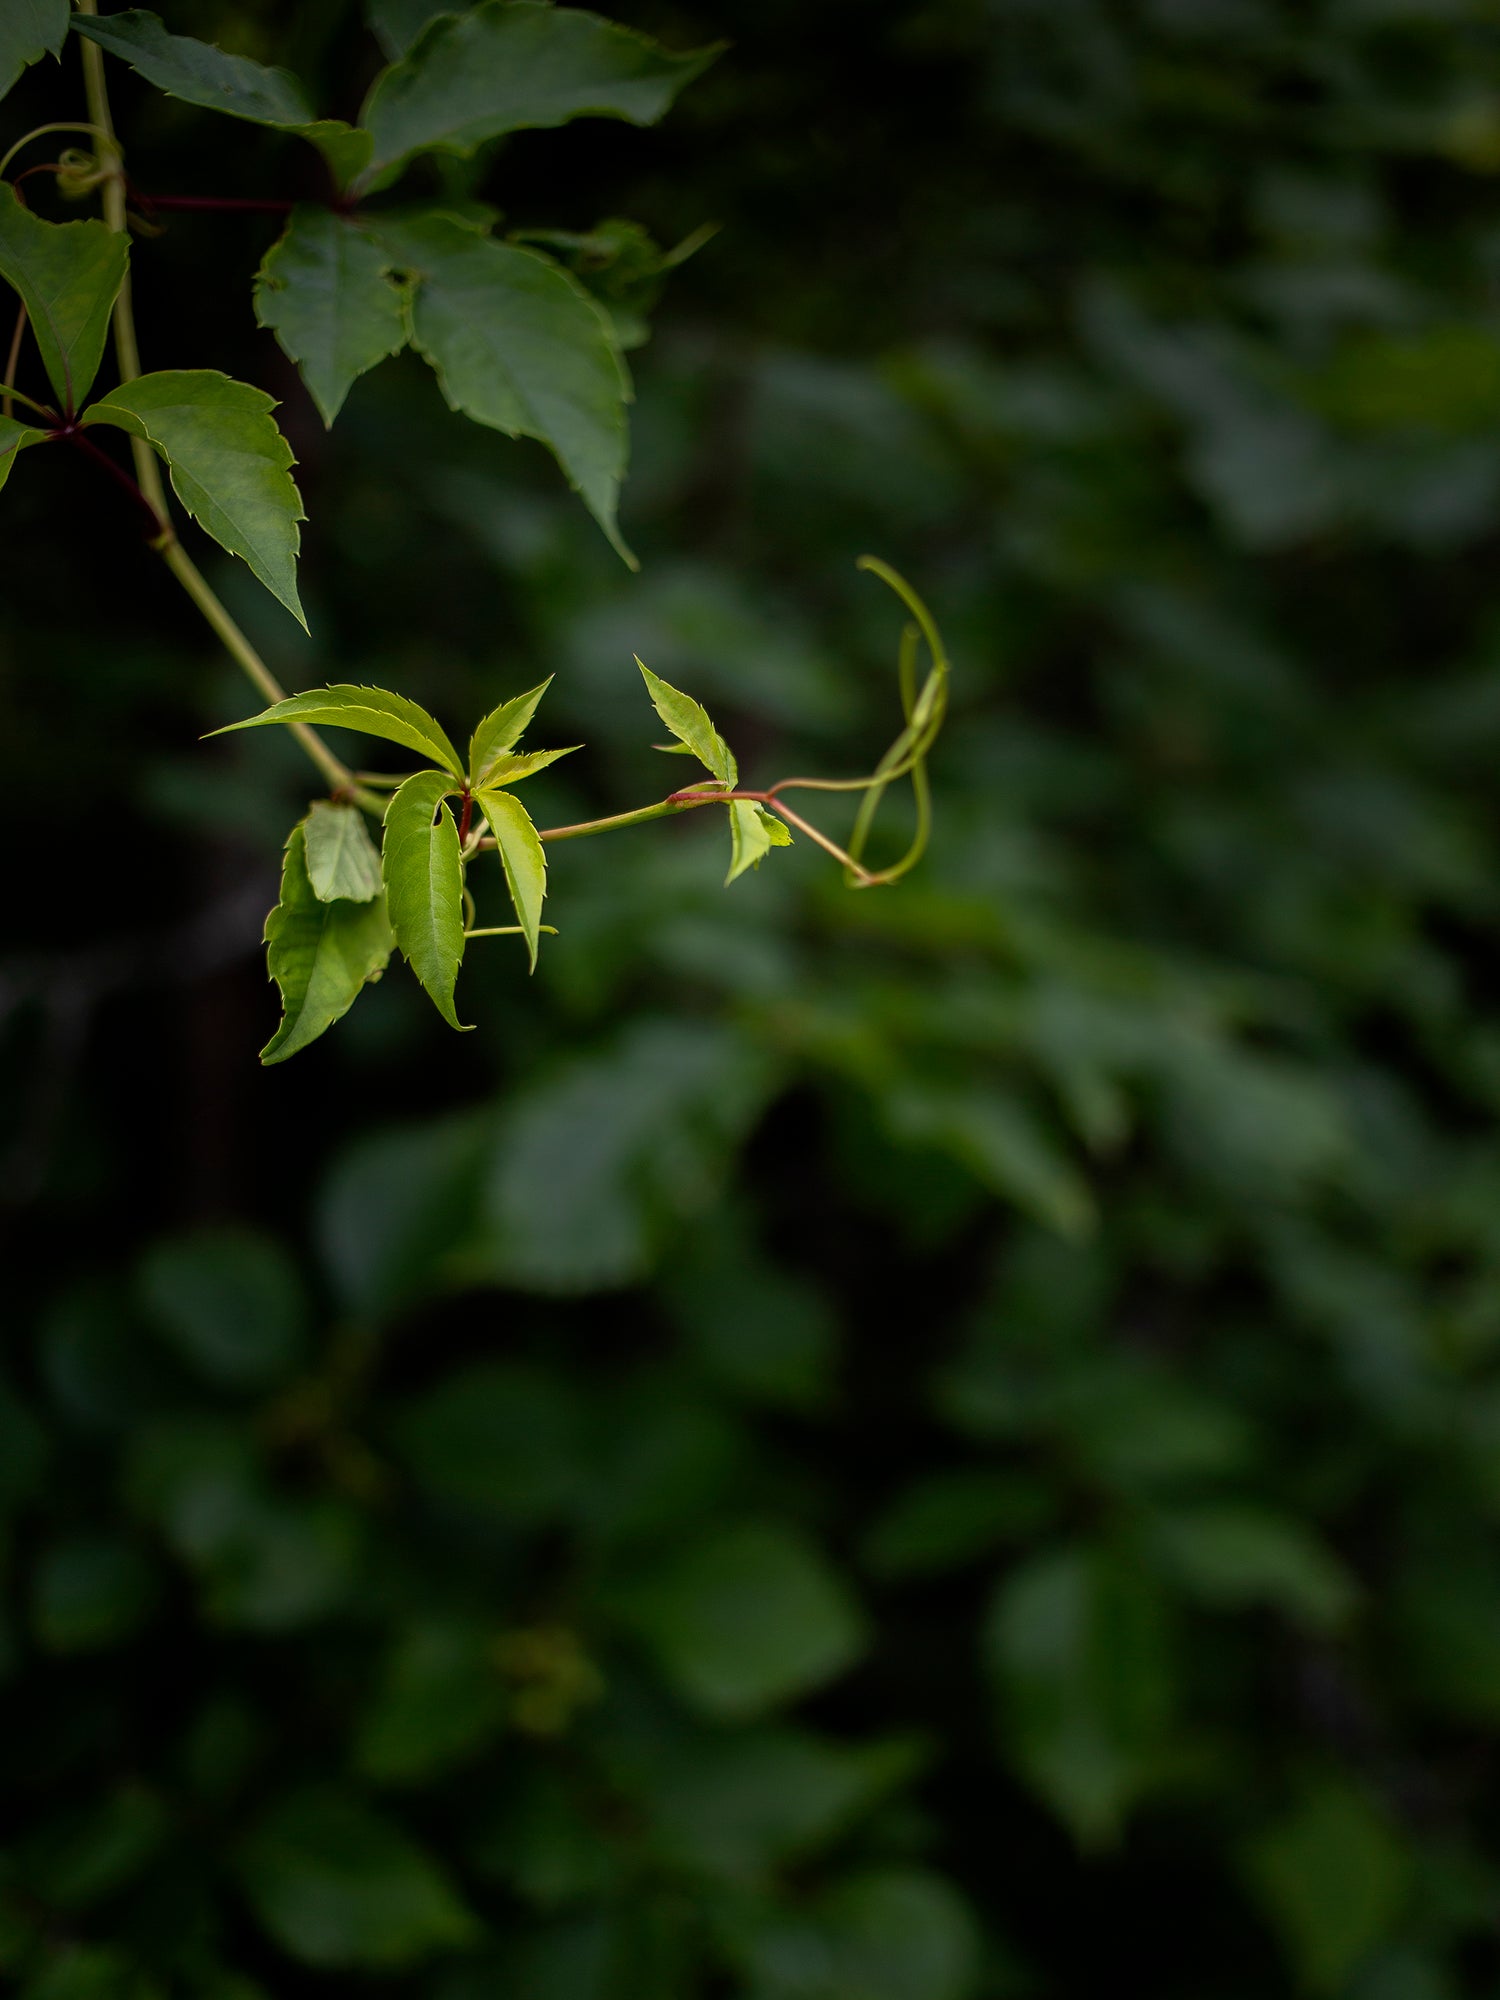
x=924 y=709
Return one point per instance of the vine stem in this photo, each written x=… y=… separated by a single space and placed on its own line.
x=147 y=467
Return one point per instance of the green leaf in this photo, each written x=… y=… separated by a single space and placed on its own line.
x=90 y=1592
x=1332 y=1877
x=230 y=465
x=198 y=72
x=336 y=1883
x=396 y=24
x=440 y=1699
x=29 y=30
x=507 y=770
x=1234 y=1553
x=517 y=344
x=342 y=862
x=501 y=730
x=68 y=275
x=512 y=64
x=320 y=954
x=753 y=832
x=372 y=711
x=14 y=438
x=230 y=1303
x=345 y=149
x=521 y=856
x=424 y=882
x=689 y=722
x=505 y=1439
x=325 y=291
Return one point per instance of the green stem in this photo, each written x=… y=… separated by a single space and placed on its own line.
x=40 y=131
x=663 y=810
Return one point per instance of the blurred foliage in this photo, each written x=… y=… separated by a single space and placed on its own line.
x=938 y=1445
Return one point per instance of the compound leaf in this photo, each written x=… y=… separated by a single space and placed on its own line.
x=511 y=64
x=518 y=344
x=325 y=291
x=230 y=465
x=508 y=770
x=342 y=863
x=753 y=832
x=372 y=711
x=29 y=30
x=14 y=438
x=319 y=953
x=424 y=883
x=198 y=72
x=522 y=857
x=68 y=275
x=501 y=730
x=689 y=722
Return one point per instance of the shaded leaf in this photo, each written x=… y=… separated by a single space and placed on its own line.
x=198 y=72
x=396 y=24
x=424 y=885
x=90 y=1592
x=503 y=1438
x=230 y=465
x=68 y=275
x=1332 y=1878
x=521 y=856
x=395 y=1207
x=320 y=954
x=1235 y=1553
x=325 y=291
x=230 y=1303
x=512 y=64
x=501 y=730
x=689 y=722
x=753 y=832
x=342 y=862
x=372 y=711
x=345 y=149
x=440 y=1698
x=14 y=438
x=29 y=30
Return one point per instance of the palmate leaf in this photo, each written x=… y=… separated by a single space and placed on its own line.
x=230 y=466
x=424 y=881
x=519 y=345
x=753 y=832
x=14 y=438
x=512 y=64
x=68 y=275
x=319 y=953
x=326 y=293
x=29 y=30
x=198 y=72
x=501 y=730
x=689 y=722
x=342 y=862
x=523 y=858
x=372 y=711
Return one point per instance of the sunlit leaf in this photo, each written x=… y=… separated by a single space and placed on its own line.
x=29 y=30
x=424 y=885
x=324 y=290
x=753 y=832
x=342 y=862
x=68 y=275
x=522 y=857
x=510 y=770
x=689 y=722
x=320 y=954
x=198 y=72
x=501 y=730
x=372 y=711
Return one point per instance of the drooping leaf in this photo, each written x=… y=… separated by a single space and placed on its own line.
x=510 y=770
x=753 y=832
x=689 y=722
x=501 y=730
x=230 y=465
x=511 y=64
x=516 y=343
x=68 y=275
x=320 y=954
x=14 y=438
x=198 y=72
x=521 y=856
x=396 y=24
x=29 y=30
x=325 y=291
x=372 y=711
x=342 y=863
x=424 y=885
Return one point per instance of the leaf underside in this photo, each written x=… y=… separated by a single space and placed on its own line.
x=523 y=858
x=424 y=885
x=342 y=861
x=372 y=711
x=68 y=275
x=29 y=30
x=199 y=73
x=753 y=832
x=689 y=722
x=320 y=954
x=324 y=290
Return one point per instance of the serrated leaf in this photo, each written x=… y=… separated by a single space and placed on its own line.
x=502 y=729
x=424 y=882
x=14 y=438
x=689 y=722
x=68 y=274
x=198 y=72
x=522 y=857
x=753 y=832
x=319 y=953
x=372 y=711
x=325 y=291
x=342 y=862
x=518 y=344
x=396 y=24
x=508 y=65
x=29 y=30
x=510 y=770
x=230 y=466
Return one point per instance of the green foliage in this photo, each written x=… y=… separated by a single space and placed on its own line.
x=521 y=857
x=342 y=864
x=198 y=72
x=30 y=30
x=424 y=885
x=68 y=276
x=325 y=290
x=321 y=951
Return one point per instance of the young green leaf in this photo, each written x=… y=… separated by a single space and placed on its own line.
x=396 y=24
x=501 y=730
x=230 y=465
x=511 y=64
x=689 y=722
x=372 y=711
x=326 y=293
x=424 y=883
x=198 y=72
x=753 y=832
x=519 y=345
x=522 y=857
x=29 y=30
x=14 y=438
x=68 y=275
x=319 y=953
x=342 y=863
x=508 y=770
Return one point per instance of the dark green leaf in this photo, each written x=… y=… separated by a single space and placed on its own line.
x=230 y=1302
x=29 y=30
x=320 y=954
x=522 y=857
x=424 y=885
x=90 y=1592
x=372 y=711
x=396 y=24
x=68 y=275
x=890 y=1933
x=689 y=722
x=502 y=1438
x=1332 y=1878
x=517 y=344
x=198 y=72
x=510 y=64
x=14 y=438
x=395 y=1208
x=230 y=465
x=753 y=832
x=440 y=1698
x=1234 y=1553
x=501 y=730
x=342 y=861
x=325 y=291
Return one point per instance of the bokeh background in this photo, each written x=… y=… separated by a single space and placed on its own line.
x=933 y=1445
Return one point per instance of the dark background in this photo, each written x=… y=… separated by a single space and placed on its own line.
x=932 y=1445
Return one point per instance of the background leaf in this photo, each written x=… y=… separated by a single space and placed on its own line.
x=198 y=72
x=68 y=275
x=325 y=291
x=424 y=885
x=522 y=857
x=320 y=954
x=30 y=30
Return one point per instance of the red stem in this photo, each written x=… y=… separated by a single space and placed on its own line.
x=216 y=204
x=465 y=815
